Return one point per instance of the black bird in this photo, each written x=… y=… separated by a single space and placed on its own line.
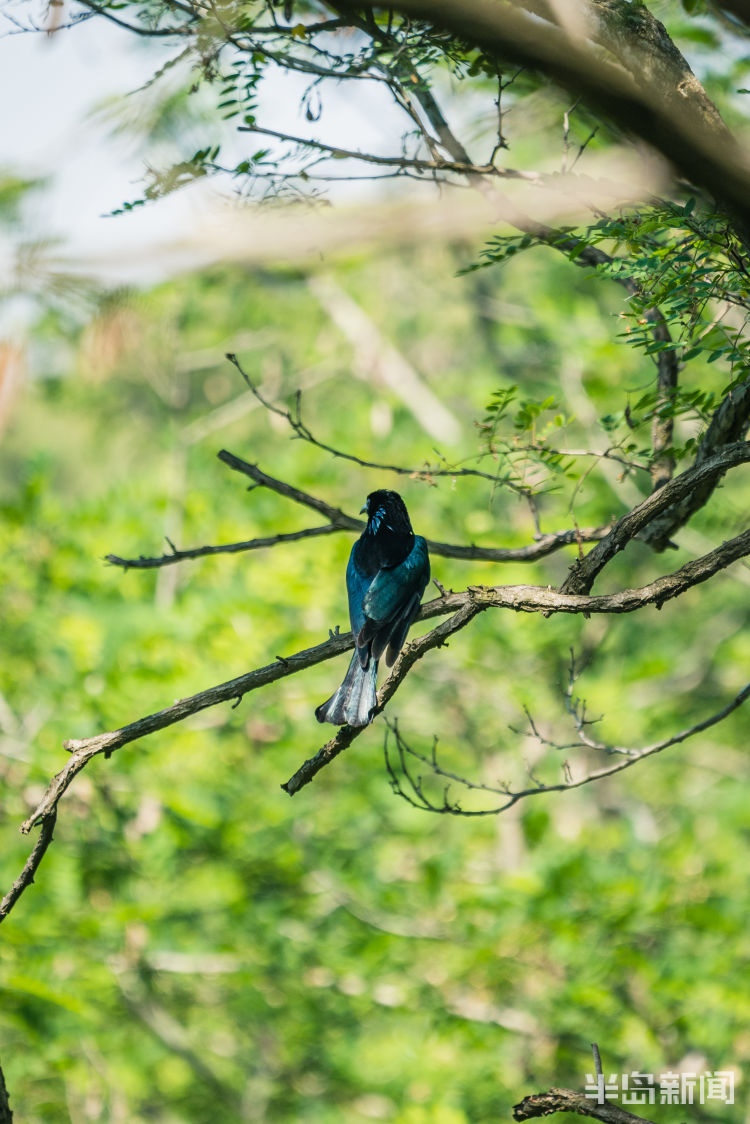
x=388 y=570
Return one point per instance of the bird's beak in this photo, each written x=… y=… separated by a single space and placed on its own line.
x=363 y=510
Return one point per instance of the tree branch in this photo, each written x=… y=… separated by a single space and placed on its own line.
x=539 y=548
x=145 y=563
x=6 y=1116
x=584 y=571
x=629 y=757
x=26 y=877
x=406 y=660
x=568 y=1100
x=463 y=606
x=412 y=162
x=728 y=424
x=637 y=93
x=340 y=521
x=137 y=29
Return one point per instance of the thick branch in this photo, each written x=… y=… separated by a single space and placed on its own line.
x=568 y=1100
x=637 y=95
x=728 y=424
x=584 y=572
x=6 y=1116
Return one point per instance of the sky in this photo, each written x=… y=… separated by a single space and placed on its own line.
x=51 y=87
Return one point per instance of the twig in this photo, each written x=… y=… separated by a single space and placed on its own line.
x=421 y=800
x=304 y=433
x=336 y=152
x=175 y=555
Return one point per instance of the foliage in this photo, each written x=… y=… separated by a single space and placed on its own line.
x=199 y=946
x=339 y=956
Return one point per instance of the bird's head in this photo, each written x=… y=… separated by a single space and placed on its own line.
x=386 y=511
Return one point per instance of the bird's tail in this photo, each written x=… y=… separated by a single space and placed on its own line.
x=352 y=703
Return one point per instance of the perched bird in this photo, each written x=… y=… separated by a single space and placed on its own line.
x=388 y=570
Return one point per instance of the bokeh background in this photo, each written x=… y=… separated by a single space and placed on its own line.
x=198 y=946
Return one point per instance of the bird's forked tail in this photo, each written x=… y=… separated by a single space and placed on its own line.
x=354 y=700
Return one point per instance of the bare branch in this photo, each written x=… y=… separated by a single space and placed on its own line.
x=175 y=555
x=542 y=545
x=302 y=431
x=568 y=1100
x=630 y=757
x=263 y=480
x=26 y=877
x=413 y=162
x=340 y=741
x=83 y=749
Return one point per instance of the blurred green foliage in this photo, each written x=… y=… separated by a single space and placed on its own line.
x=200 y=947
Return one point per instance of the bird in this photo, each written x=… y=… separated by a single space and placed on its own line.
x=389 y=568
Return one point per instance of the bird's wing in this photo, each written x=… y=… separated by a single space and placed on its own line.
x=392 y=600
x=357 y=585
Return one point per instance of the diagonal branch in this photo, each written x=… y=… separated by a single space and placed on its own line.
x=406 y=660
x=26 y=877
x=728 y=424
x=584 y=572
